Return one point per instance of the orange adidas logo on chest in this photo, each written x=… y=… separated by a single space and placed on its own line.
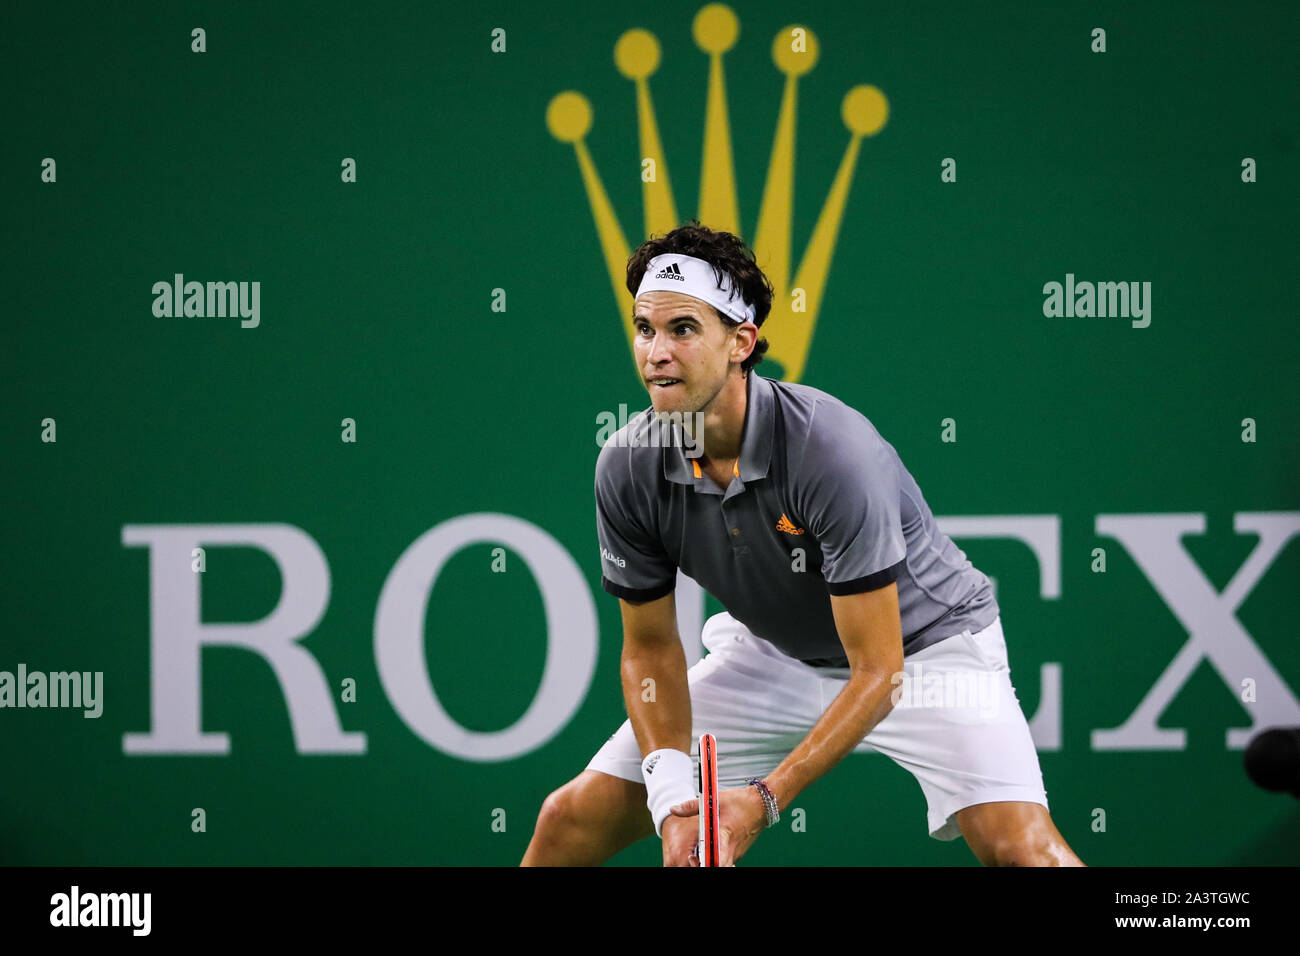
x=786 y=525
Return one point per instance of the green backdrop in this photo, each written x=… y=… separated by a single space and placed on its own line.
x=377 y=305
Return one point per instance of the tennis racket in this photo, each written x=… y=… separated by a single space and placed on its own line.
x=706 y=851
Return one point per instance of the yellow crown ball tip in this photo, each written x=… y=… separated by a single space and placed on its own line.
x=715 y=28
x=636 y=54
x=865 y=110
x=568 y=116
x=795 y=50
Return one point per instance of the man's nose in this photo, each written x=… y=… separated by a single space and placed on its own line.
x=659 y=349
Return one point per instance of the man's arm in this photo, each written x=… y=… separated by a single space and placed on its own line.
x=870 y=629
x=848 y=490
x=660 y=712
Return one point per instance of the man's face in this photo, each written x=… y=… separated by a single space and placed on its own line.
x=683 y=350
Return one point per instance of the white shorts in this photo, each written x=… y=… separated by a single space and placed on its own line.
x=956 y=726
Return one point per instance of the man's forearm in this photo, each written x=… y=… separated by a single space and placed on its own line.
x=657 y=696
x=863 y=703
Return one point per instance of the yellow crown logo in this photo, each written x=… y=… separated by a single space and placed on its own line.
x=795 y=304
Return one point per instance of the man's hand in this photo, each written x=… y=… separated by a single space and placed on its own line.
x=680 y=833
x=741 y=818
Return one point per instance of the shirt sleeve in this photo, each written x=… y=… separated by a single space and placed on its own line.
x=633 y=563
x=852 y=501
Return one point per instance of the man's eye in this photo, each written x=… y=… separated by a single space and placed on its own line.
x=684 y=328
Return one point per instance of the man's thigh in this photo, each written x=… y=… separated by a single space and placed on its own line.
x=958 y=728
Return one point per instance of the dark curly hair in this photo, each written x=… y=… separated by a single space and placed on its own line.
x=727 y=254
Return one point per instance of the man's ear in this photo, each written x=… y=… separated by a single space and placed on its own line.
x=741 y=331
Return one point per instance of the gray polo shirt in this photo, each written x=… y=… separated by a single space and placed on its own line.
x=821 y=505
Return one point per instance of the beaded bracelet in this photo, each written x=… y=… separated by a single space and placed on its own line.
x=769 y=801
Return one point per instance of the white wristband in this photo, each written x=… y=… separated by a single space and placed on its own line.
x=669 y=780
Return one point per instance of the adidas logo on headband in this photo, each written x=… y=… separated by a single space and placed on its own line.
x=699 y=279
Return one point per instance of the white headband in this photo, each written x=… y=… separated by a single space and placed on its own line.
x=674 y=272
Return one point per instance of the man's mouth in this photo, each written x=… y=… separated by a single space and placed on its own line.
x=664 y=382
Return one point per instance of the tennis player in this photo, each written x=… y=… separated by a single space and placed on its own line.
x=852 y=622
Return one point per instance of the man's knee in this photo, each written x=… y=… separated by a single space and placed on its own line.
x=1033 y=846
x=590 y=818
x=1015 y=834
x=560 y=809
x=590 y=795
x=1020 y=849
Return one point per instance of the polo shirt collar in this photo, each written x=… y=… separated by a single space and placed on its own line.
x=755 y=442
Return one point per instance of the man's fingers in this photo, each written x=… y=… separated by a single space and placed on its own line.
x=688 y=809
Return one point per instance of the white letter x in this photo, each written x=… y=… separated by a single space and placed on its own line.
x=1210 y=619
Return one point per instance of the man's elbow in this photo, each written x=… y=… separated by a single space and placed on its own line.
x=876 y=672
